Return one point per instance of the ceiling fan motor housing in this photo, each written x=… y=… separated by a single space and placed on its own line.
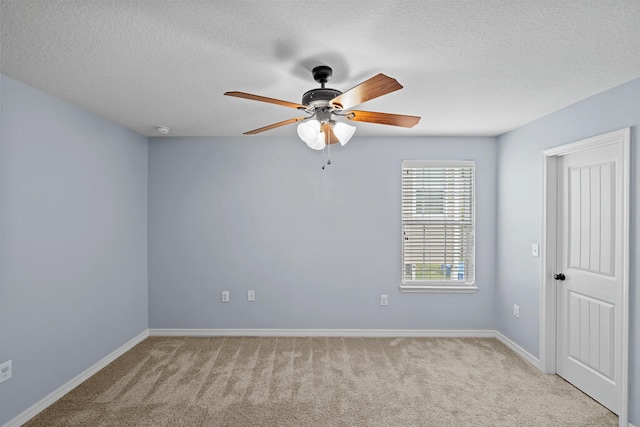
x=319 y=97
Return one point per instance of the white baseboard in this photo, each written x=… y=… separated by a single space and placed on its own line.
x=518 y=350
x=55 y=395
x=320 y=333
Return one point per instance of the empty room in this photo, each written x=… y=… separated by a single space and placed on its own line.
x=298 y=213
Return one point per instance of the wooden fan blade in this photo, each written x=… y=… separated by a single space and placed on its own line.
x=383 y=118
x=329 y=136
x=275 y=125
x=265 y=99
x=374 y=87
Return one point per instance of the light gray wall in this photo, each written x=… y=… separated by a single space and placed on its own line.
x=519 y=212
x=318 y=247
x=74 y=236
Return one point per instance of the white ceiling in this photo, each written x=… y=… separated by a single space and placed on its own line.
x=467 y=67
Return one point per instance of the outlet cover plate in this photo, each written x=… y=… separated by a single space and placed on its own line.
x=6 y=371
x=384 y=300
x=535 y=249
x=251 y=295
x=224 y=296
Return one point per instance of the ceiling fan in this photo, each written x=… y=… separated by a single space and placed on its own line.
x=325 y=105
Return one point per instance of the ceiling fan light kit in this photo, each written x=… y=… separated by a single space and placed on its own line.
x=325 y=105
x=311 y=132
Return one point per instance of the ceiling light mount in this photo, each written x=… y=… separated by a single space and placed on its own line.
x=165 y=130
x=322 y=74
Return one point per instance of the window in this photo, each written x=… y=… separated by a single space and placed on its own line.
x=438 y=225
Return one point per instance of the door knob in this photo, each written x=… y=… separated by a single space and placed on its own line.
x=559 y=276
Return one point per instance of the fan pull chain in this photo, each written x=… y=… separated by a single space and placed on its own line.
x=323 y=158
x=327 y=149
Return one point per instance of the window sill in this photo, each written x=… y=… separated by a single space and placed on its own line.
x=440 y=289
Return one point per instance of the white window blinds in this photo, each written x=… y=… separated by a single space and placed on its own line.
x=438 y=222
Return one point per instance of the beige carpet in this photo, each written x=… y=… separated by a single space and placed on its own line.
x=323 y=382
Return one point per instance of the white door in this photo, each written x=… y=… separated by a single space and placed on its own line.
x=590 y=248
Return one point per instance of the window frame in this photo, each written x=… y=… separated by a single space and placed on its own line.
x=438 y=286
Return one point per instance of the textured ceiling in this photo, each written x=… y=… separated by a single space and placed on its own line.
x=467 y=67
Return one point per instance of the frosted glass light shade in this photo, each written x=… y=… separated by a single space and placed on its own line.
x=343 y=132
x=309 y=132
x=319 y=143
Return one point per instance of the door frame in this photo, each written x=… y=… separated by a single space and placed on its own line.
x=548 y=298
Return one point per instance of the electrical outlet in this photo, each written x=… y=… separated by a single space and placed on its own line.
x=251 y=295
x=384 y=300
x=516 y=311
x=224 y=296
x=5 y=371
x=535 y=249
